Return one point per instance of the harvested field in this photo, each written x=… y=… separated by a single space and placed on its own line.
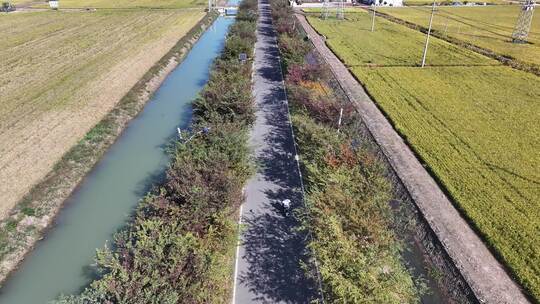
x=489 y=27
x=472 y=121
x=62 y=72
x=128 y=4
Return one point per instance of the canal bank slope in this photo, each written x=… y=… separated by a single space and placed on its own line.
x=483 y=273
x=29 y=219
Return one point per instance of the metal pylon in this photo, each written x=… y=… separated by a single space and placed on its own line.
x=523 y=25
x=326 y=10
x=340 y=14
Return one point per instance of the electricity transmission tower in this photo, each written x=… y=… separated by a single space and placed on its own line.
x=325 y=10
x=523 y=25
x=340 y=14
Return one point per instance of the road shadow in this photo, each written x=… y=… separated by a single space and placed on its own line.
x=274 y=249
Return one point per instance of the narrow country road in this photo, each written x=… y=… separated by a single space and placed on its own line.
x=268 y=260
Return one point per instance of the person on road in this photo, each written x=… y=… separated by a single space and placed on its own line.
x=286 y=205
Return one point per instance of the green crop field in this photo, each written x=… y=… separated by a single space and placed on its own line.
x=489 y=27
x=473 y=121
x=448 y=2
x=62 y=72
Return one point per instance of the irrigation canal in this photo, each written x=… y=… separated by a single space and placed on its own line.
x=61 y=263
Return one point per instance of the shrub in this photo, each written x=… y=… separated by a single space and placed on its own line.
x=347 y=192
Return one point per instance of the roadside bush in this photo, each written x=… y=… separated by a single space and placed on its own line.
x=324 y=108
x=244 y=30
x=347 y=193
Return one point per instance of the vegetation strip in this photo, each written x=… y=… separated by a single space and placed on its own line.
x=179 y=245
x=28 y=221
x=483 y=273
x=347 y=193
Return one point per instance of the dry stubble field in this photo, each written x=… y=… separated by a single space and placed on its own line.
x=62 y=72
x=125 y=4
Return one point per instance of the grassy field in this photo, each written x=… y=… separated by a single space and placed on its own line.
x=62 y=72
x=474 y=122
x=128 y=4
x=488 y=27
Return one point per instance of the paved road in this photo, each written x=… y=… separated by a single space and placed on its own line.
x=484 y=274
x=268 y=269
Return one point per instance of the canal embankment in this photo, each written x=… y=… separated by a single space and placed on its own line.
x=28 y=222
x=181 y=240
x=178 y=244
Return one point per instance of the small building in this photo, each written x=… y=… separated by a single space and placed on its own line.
x=384 y=2
x=53 y=4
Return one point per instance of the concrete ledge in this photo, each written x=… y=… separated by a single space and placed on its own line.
x=482 y=272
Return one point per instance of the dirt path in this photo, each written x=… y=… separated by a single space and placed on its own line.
x=484 y=274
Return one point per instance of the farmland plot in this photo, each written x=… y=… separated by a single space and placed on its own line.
x=488 y=27
x=62 y=72
x=471 y=120
x=427 y=2
x=127 y=3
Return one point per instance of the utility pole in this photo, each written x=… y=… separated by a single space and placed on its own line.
x=373 y=17
x=428 y=34
x=340 y=118
x=523 y=24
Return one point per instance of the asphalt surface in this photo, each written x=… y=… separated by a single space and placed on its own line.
x=268 y=262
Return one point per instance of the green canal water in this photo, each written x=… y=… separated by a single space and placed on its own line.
x=61 y=263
